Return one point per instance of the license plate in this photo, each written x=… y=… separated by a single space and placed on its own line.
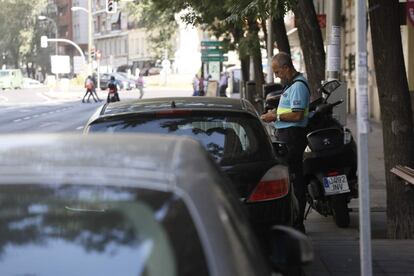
x=335 y=185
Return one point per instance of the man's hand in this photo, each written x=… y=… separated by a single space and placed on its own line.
x=268 y=117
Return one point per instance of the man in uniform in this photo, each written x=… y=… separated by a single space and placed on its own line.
x=291 y=118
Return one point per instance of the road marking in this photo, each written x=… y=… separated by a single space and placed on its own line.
x=17 y=120
x=27 y=118
x=35 y=116
x=80 y=127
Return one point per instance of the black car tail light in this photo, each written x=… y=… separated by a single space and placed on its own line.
x=273 y=185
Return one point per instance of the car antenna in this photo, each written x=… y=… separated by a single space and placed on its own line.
x=173 y=104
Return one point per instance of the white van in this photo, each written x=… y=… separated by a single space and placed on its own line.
x=11 y=78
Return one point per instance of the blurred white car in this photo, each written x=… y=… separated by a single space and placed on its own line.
x=31 y=83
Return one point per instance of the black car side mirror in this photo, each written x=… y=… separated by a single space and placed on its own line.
x=290 y=249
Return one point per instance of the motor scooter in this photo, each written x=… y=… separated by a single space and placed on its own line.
x=329 y=161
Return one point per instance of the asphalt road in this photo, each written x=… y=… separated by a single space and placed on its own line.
x=34 y=111
x=40 y=110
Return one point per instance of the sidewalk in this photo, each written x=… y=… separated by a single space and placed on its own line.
x=337 y=250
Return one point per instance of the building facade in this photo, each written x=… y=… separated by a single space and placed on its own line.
x=110 y=36
x=80 y=24
x=64 y=24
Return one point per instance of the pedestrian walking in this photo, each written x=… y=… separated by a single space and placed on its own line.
x=291 y=118
x=201 y=87
x=196 y=85
x=95 y=84
x=223 y=84
x=89 y=85
x=140 y=84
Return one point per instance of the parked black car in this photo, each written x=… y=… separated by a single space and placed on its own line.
x=230 y=130
x=126 y=205
x=104 y=80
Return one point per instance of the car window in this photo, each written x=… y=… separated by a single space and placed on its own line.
x=96 y=230
x=229 y=139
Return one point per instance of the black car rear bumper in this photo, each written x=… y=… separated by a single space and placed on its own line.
x=279 y=211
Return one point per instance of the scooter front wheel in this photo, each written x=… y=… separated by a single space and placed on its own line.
x=340 y=211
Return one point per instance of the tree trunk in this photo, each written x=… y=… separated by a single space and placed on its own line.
x=279 y=32
x=237 y=33
x=263 y=24
x=245 y=65
x=311 y=42
x=257 y=56
x=396 y=113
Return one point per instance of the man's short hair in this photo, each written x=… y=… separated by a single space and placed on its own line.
x=283 y=58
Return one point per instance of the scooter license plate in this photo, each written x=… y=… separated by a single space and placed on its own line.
x=335 y=184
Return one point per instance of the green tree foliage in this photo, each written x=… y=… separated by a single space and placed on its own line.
x=17 y=21
x=160 y=24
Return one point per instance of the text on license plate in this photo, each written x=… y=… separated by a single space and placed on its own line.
x=335 y=184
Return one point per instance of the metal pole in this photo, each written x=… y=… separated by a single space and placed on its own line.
x=363 y=130
x=98 y=72
x=56 y=44
x=269 y=77
x=56 y=35
x=251 y=69
x=90 y=42
x=333 y=62
x=70 y=42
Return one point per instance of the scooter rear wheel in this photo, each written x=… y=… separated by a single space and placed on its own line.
x=340 y=211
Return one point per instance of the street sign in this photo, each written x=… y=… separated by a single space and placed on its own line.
x=211 y=52
x=78 y=64
x=60 y=64
x=214 y=70
x=206 y=43
x=206 y=55
x=214 y=58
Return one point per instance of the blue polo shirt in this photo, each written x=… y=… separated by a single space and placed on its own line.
x=294 y=98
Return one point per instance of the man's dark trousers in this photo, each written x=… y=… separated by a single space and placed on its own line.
x=295 y=139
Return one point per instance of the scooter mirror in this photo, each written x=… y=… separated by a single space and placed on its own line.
x=330 y=86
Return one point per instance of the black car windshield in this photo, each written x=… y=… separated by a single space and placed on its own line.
x=96 y=230
x=229 y=138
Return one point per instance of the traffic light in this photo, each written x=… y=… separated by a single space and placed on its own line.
x=93 y=53
x=111 y=6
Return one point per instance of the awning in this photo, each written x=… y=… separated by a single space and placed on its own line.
x=116 y=18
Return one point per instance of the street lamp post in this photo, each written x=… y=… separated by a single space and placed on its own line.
x=90 y=33
x=43 y=18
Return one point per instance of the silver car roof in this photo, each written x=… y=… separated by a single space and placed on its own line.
x=167 y=163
